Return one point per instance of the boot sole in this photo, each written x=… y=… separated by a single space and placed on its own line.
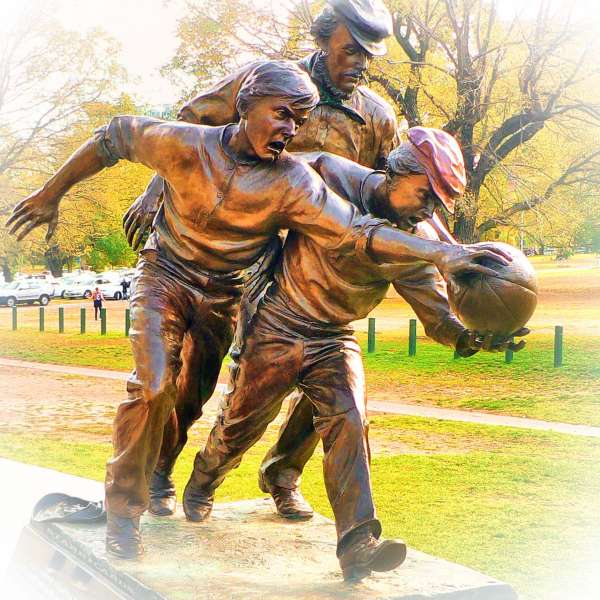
x=161 y=512
x=389 y=555
x=296 y=516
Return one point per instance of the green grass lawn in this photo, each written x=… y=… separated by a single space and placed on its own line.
x=530 y=386
x=518 y=505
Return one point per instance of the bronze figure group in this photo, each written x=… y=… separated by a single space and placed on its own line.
x=278 y=146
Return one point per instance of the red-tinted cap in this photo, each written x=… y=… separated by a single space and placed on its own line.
x=440 y=155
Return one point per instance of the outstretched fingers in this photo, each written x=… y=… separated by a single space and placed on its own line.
x=502 y=258
x=521 y=332
x=496 y=250
x=137 y=238
x=477 y=268
x=515 y=347
x=22 y=220
x=27 y=230
x=51 y=228
x=131 y=229
x=19 y=210
x=488 y=342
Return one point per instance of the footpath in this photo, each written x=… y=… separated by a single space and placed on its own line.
x=375 y=406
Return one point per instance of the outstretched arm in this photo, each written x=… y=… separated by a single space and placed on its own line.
x=137 y=139
x=41 y=207
x=313 y=209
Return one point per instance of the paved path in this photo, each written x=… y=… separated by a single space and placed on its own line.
x=375 y=406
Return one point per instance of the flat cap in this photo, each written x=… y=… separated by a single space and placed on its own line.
x=441 y=156
x=368 y=21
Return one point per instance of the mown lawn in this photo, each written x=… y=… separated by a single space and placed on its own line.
x=518 y=505
x=530 y=386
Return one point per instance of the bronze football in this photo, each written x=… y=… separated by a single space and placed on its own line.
x=500 y=304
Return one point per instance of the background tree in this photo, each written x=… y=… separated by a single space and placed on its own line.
x=521 y=96
x=56 y=86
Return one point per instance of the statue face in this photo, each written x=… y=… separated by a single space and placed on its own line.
x=271 y=123
x=346 y=60
x=410 y=200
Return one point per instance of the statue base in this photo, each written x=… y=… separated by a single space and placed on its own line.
x=245 y=551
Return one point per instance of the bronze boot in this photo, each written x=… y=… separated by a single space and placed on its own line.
x=290 y=503
x=123 y=537
x=366 y=554
x=163 y=500
x=197 y=502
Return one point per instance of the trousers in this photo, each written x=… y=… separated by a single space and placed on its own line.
x=191 y=391
x=164 y=309
x=279 y=354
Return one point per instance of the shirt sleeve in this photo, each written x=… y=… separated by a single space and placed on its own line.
x=148 y=141
x=217 y=105
x=423 y=287
x=313 y=209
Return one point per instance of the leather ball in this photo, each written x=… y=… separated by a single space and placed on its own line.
x=500 y=304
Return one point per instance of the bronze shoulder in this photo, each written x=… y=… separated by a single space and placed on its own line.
x=375 y=105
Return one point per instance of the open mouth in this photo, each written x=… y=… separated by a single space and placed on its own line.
x=276 y=147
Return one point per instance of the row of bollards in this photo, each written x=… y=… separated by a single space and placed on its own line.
x=412 y=332
x=82 y=320
x=508 y=354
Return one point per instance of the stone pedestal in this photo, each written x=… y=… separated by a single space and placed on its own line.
x=244 y=552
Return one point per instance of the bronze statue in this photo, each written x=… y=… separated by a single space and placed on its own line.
x=350 y=120
x=301 y=336
x=227 y=192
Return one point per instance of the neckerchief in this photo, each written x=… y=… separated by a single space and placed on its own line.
x=329 y=93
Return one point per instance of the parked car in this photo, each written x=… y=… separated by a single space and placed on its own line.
x=110 y=287
x=82 y=287
x=26 y=291
x=63 y=283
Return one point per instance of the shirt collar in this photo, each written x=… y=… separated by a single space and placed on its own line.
x=329 y=95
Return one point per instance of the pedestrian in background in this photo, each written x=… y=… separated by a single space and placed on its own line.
x=98 y=300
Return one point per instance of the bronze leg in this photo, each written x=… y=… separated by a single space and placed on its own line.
x=333 y=380
x=268 y=369
x=158 y=323
x=296 y=442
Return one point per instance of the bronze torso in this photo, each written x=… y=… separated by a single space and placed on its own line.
x=362 y=128
x=326 y=286
x=220 y=213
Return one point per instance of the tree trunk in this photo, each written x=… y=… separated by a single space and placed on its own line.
x=54 y=261
x=8 y=276
x=465 y=219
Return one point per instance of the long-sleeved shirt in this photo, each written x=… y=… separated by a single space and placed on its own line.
x=219 y=213
x=327 y=287
x=362 y=128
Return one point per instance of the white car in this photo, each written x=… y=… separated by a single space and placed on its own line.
x=26 y=291
x=80 y=288
x=110 y=287
x=61 y=284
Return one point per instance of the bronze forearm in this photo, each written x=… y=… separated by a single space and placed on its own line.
x=389 y=245
x=83 y=163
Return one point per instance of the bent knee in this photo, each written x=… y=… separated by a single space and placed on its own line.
x=352 y=423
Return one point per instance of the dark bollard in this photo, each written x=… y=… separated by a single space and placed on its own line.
x=412 y=337
x=127 y=321
x=102 y=321
x=82 y=320
x=558 y=346
x=509 y=354
x=61 y=319
x=371 y=335
x=42 y=318
x=14 y=318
